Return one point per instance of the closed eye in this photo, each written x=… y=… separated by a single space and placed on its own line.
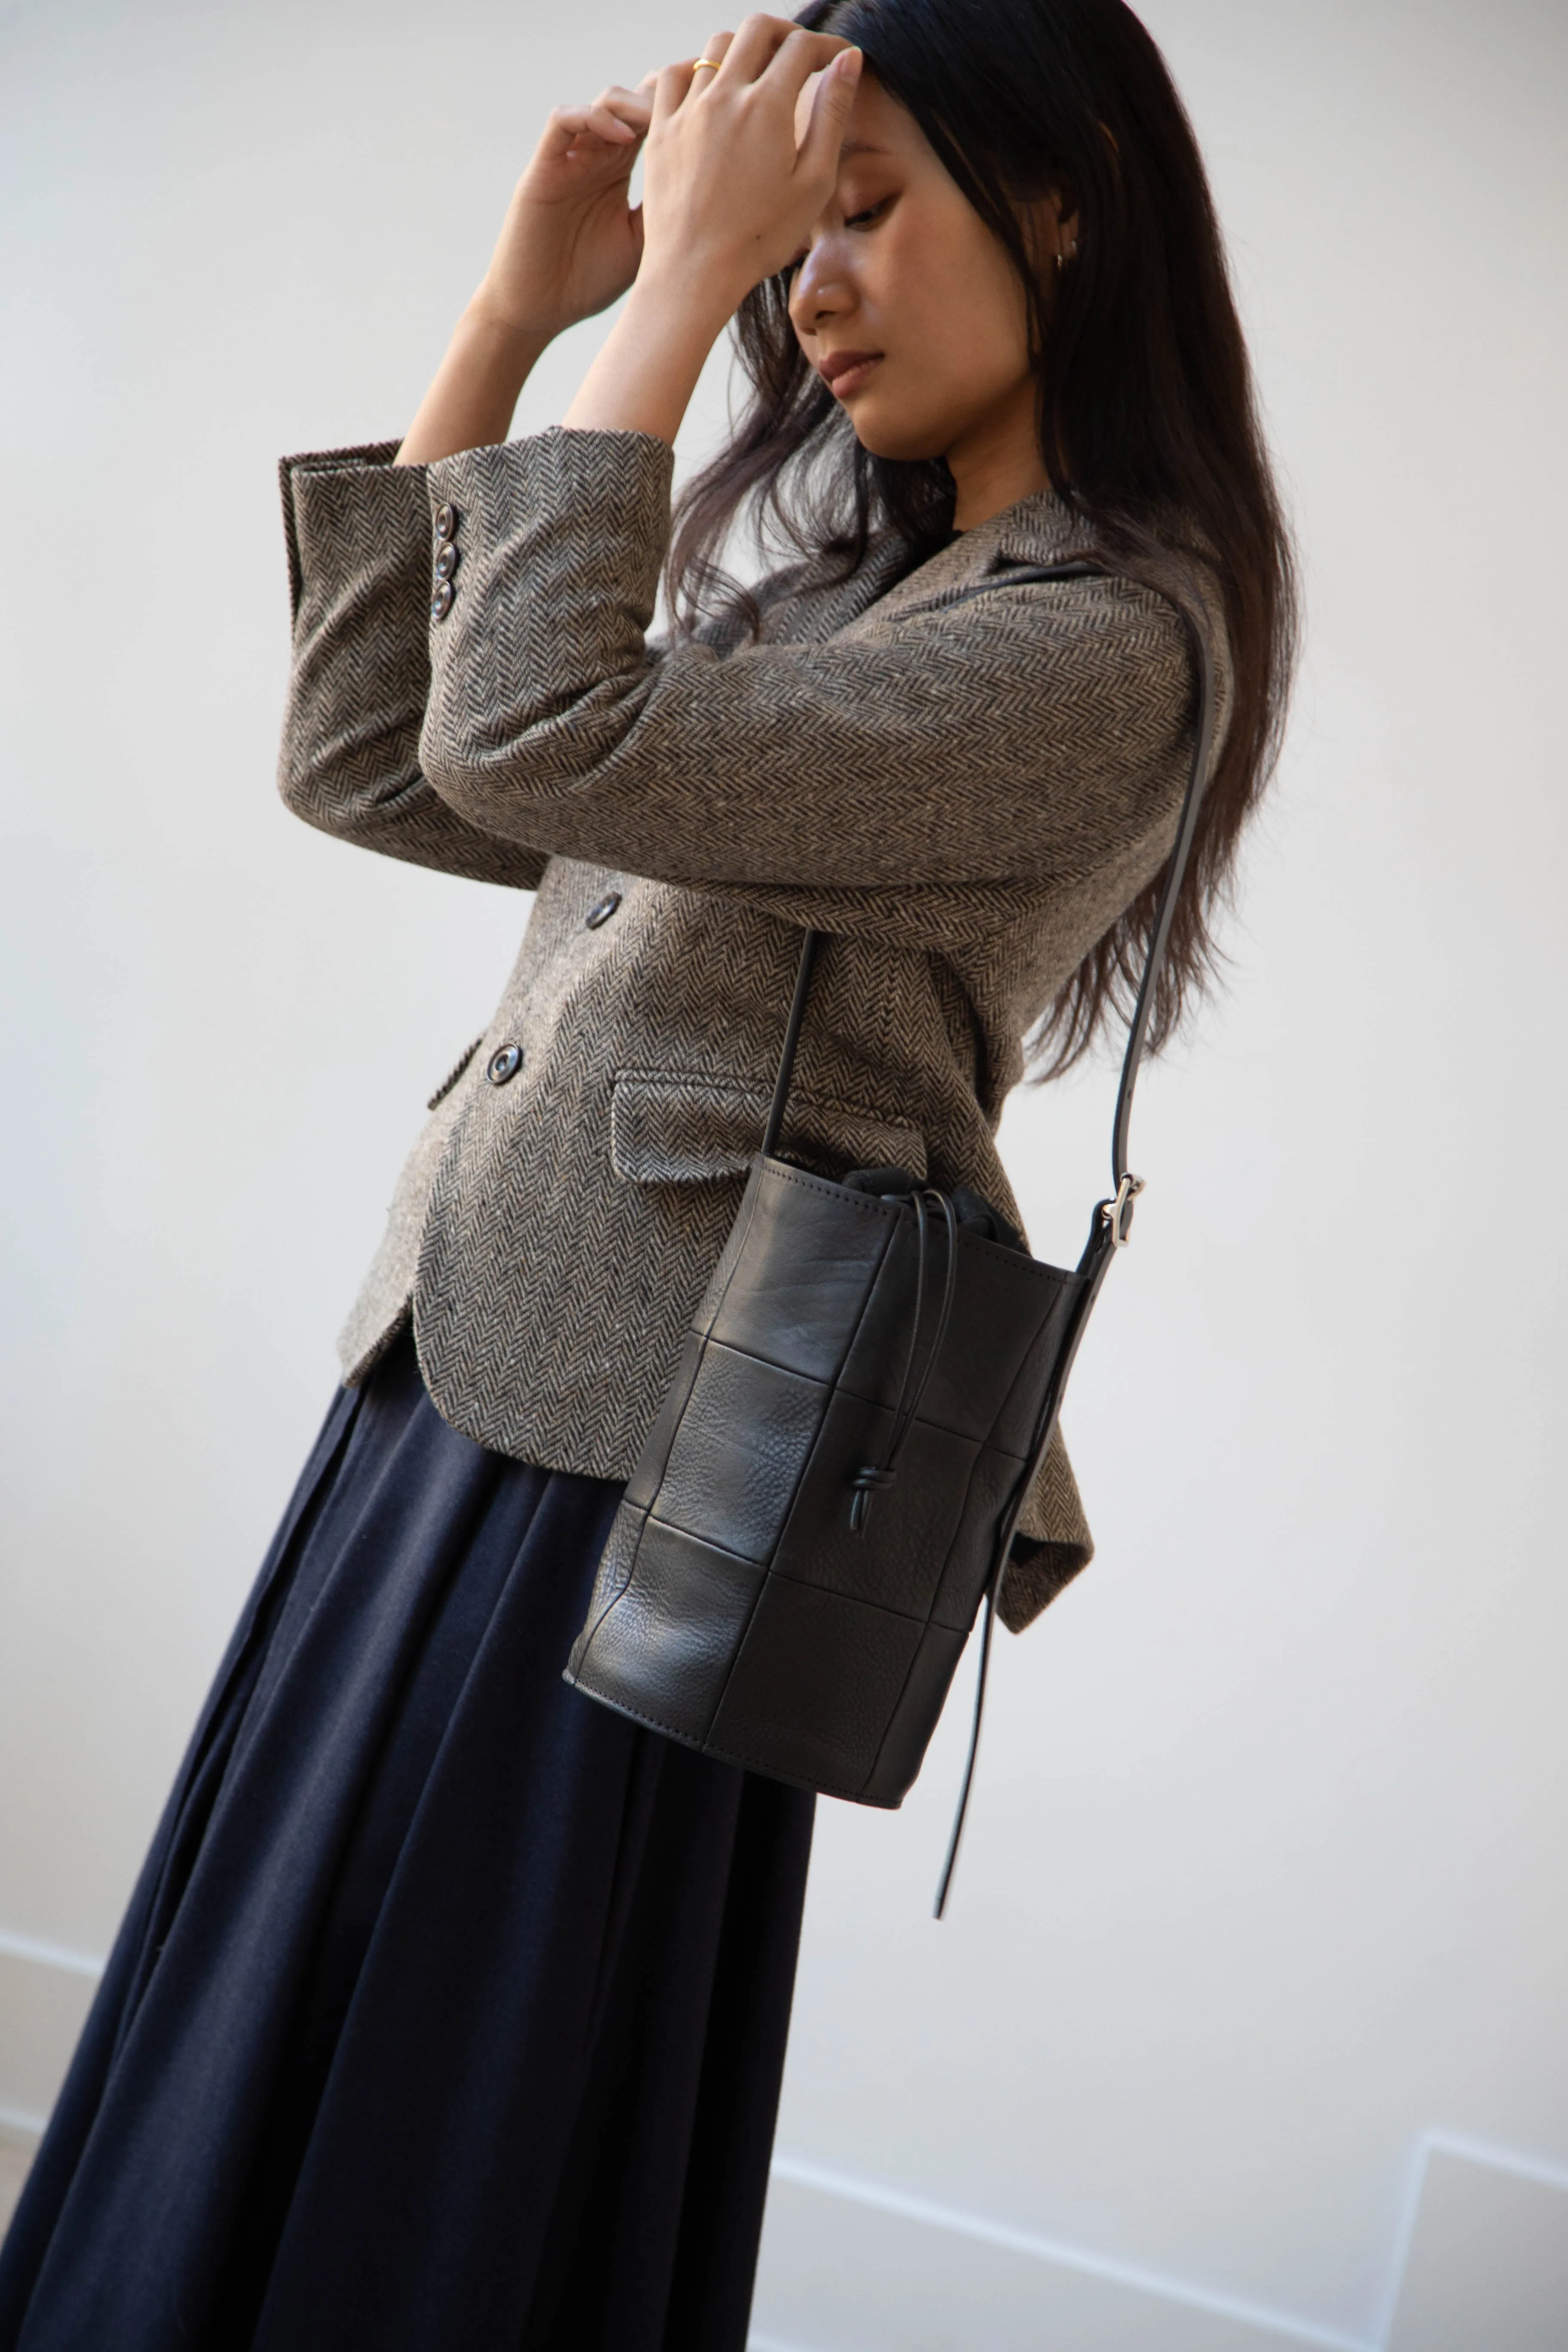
x=872 y=211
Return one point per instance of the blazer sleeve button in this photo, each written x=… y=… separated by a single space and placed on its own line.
x=503 y=1064
x=446 y=559
x=602 y=912
x=445 y=522
x=441 y=601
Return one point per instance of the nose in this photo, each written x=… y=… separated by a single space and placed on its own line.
x=821 y=292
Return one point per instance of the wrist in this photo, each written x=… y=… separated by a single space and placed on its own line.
x=648 y=364
x=506 y=345
x=470 y=404
x=685 y=298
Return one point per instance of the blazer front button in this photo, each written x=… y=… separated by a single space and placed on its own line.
x=503 y=1064
x=445 y=522
x=603 y=911
x=441 y=601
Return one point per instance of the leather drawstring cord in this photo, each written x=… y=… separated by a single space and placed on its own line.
x=951 y=1865
x=869 y=1479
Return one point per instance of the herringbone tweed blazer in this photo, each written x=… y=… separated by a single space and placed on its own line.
x=963 y=781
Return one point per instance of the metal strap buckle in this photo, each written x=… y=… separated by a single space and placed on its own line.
x=1118 y=1213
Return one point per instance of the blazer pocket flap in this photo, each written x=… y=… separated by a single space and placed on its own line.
x=668 y=1130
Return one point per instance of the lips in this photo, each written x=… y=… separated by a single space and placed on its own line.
x=844 y=372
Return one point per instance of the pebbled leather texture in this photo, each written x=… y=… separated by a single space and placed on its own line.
x=736 y=1608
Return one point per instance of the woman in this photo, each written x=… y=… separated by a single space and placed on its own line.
x=451 y=2008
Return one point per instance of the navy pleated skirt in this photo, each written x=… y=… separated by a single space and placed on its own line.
x=450 y=2013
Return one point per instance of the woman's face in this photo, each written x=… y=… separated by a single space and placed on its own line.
x=908 y=304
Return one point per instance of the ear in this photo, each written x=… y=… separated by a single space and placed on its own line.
x=1051 y=227
x=1062 y=205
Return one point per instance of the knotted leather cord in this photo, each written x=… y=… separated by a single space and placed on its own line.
x=1113 y=1217
x=870 y=1478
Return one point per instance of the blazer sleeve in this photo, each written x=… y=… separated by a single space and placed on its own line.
x=358 y=535
x=1019 y=736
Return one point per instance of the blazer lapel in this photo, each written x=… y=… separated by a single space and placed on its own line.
x=1038 y=530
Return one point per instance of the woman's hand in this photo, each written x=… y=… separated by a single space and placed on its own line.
x=731 y=191
x=569 y=247
x=571 y=243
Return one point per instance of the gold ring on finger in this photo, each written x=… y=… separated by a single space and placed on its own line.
x=711 y=63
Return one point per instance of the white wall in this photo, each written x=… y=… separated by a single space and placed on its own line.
x=1263 y=1885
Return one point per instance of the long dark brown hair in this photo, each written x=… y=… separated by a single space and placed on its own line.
x=1148 y=423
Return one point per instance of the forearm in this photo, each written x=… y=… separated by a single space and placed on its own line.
x=1017 y=735
x=470 y=404
x=647 y=370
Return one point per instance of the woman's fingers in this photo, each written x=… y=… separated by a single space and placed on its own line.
x=630 y=106
x=609 y=126
x=616 y=115
x=792 y=66
x=673 y=84
x=762 y=42
x=729 y=58
x=617 y=125
x=715 y=49
x=670 y=85
x=831 y=103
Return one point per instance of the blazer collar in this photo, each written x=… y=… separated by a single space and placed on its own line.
x=1041 y=529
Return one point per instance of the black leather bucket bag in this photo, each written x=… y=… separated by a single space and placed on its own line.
x=831 y=1489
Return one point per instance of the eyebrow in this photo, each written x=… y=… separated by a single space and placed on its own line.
x=860 y=147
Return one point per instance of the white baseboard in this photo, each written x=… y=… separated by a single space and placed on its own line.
x=50 y=1956
x=45 y=1994
x=1486 y=2254
x=853 y=2265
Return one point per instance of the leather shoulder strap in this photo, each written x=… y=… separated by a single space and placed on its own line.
x=808 y=953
